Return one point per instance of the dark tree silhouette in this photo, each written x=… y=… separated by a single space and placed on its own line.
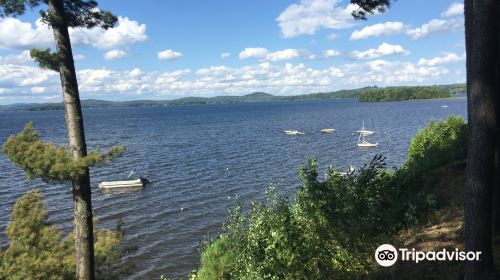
x=481 y=30
x=61 y=14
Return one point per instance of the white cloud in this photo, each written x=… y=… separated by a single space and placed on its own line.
x=286 y=54
x=38 y=90
x=331 y=53
x=446 y=58
x=382 y=50
x=308 y=16
x=259 y=53
x=21 y=58
x=78 y=57
x=26 y=79
x=126 y=32
x=332 y=37
x=225 y=55
x=379 y=29
x=114 y=54
x=136 y=72
x=455 y=9
x=169 y=55
x=29 y=83
x=436 y=26
x=16 y=34
x=264 y=54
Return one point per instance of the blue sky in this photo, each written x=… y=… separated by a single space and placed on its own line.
x=172 y=49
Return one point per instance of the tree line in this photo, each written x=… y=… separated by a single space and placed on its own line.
x=403 y=93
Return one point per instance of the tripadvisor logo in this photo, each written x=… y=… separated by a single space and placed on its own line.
x=387 y=255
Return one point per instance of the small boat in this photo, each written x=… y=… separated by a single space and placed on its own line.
x=328 y=130
x=367 y=144
x=137 y=183
x=350 y=170
x=444 y=106
x=361 y=139
x=364 y=131
x=293 y=132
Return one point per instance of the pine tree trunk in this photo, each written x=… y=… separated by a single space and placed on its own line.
x=83 y=228
x=481 y=48
x=496 y=185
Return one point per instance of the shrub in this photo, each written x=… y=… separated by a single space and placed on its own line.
x=437 y=144
x=216 y=260
x=38 y=251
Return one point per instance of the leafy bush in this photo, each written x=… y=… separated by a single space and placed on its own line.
x=324 y=234
x=38 y=251
x=437 y=144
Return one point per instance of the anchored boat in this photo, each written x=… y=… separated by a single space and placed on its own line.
x=141 y=182
x=293 y=132
x=361 y=139
x=364 y=131
x=328 y=130
x=135 y=183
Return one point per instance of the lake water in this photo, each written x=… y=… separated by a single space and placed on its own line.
x=202 y=157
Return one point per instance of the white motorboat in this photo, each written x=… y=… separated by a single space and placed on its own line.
x=361 y=139
x=328 y=130
x=293 y=132
x=137 y=183
x=364 y=131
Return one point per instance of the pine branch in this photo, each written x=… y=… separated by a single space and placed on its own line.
x=49 y=162
x=46 y=59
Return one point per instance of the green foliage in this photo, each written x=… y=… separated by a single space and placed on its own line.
x=17 y=7
x=38 y=251
x=106 y=252
x=215 y=260
x=46 y=59
x=332 y=228
x=77 y=13
x=369 y=7
x=35 y=250
x=48 y=162
x=403 y=93
x=313 y=238
x=437 y=144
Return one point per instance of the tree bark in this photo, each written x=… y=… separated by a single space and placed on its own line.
x=83 y=228
x=481 y=48
x=496 y=185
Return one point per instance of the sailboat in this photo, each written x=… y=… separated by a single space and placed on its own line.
x=361 y=139
x=364 y=131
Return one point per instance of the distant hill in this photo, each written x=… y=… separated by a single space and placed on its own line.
x=252 y=97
